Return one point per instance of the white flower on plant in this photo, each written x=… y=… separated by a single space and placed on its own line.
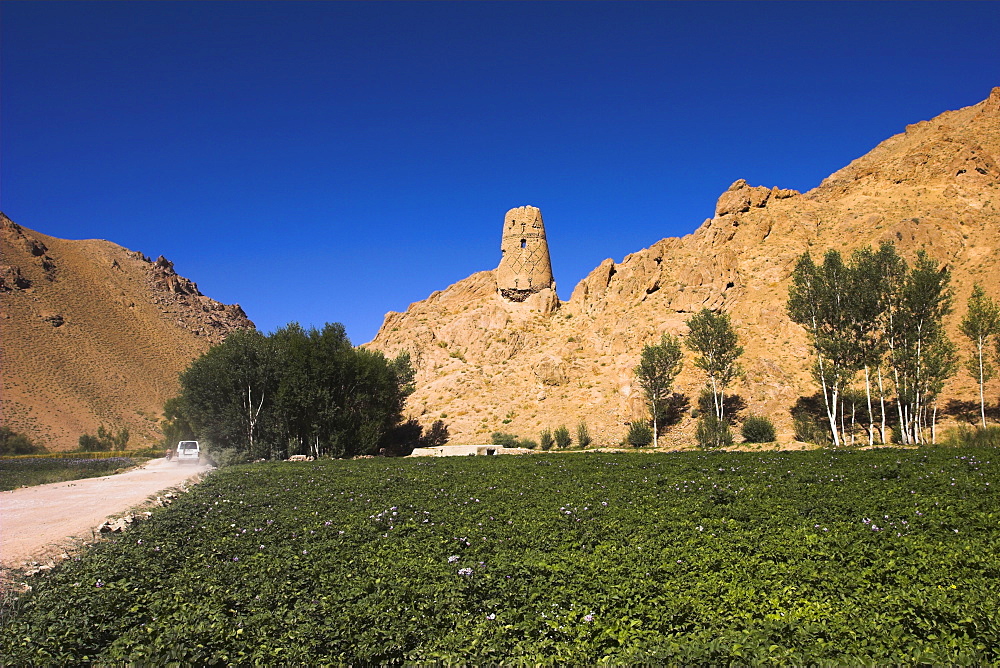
x=453 y=558
x=465 y=571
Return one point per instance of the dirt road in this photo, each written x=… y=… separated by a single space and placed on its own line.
x=36 y=521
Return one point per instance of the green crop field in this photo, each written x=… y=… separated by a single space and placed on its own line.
x=872 y=557
x=29 y=470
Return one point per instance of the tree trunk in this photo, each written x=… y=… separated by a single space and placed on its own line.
x=881 y=397
x=982 y=399
x=871 y=415
x=656 y=436
x=934 y=425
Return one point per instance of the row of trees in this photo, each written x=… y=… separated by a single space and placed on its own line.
x=296 y=391
x=871 y=319
x=878 y=316
x=715 y=344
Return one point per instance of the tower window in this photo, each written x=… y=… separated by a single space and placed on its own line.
x=524 y=243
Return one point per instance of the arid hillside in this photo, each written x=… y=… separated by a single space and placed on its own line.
x=486 y=363
x=94 y=334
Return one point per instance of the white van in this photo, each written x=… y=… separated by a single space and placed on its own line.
x=188 y=451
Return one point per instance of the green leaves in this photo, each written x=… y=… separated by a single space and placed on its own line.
x=295 y=391
x=860 y=557
x=659 y=365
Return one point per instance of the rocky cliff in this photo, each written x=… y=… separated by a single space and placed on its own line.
x=94 y=334
x=488 y=364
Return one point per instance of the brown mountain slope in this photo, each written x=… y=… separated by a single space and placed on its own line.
x=94 y=334
x=488 y=364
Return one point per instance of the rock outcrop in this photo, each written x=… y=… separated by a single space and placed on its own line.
x=483 y=365
x=94 y=334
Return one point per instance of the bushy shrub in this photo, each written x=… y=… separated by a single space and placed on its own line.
x=583 y=435
x=808 y=431
x=712 y=432
x=16 y=443
x=974 y=437
x=105 y=440
x=526 y=443
x=222 y=457
x=640 y=434
x=809 y=420
x=562 y=437
x=758 y=429
x=505 y=440
x=546 y=440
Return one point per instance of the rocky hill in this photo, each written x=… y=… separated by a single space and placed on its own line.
x=486 y=363
x=95 y=334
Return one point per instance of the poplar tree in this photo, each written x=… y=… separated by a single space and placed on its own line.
x=714 y=341
x=920 y=354
x=980 y=324
x=818 y=299
x=868 y=304
x=658 y=366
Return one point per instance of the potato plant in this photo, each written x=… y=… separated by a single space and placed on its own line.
x=872 y=557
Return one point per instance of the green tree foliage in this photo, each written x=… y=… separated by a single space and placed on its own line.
x=16 y=443
x=175 y=425
x=105 y=440
x=980 y=324
x=504 y=440
x=297 y=391
x=758 y=429
x=639 y=434
x=562 y=437
x=872 y=312
x=545 y=440
x=818 y=300
x=713 y=432
x=583 y=438
x=658 y=366
x=921 y=356
x=227 y=390
x=717 y=351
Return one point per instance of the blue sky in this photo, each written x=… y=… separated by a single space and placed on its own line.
x=321 y=162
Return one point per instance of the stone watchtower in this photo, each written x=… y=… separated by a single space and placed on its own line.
x=525 y=267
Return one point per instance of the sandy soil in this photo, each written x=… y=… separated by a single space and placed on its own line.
x=37 y=522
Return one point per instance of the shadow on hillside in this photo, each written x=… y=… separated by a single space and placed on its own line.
x=968 y=411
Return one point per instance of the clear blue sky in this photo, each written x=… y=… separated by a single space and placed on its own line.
x=330 y=162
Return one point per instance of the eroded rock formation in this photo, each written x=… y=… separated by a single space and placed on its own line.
x=490 y=364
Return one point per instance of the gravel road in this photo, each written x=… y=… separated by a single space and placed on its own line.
x=35 y=522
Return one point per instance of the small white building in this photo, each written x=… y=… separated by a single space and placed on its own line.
x=467 y=450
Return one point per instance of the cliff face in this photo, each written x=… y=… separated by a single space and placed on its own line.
x=492 y=365
x=94 y=334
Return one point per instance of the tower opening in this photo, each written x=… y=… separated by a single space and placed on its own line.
x=524 y=243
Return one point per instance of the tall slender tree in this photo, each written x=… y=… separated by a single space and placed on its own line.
x=980 y=324
x=716 y=346
x=818 y=299
x=659 y=365
x=868 y=304
x=920 y=354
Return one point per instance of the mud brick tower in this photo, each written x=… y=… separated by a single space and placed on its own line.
x=525 y=267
